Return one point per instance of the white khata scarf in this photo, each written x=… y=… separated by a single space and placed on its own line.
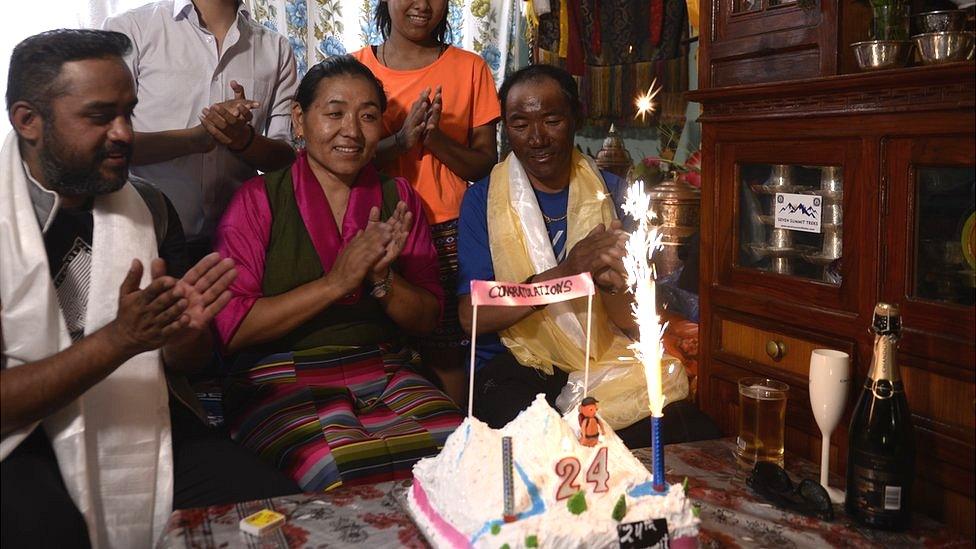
x=113 y=443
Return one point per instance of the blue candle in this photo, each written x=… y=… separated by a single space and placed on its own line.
x=657 y=456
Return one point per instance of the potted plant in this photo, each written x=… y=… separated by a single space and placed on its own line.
x=889 y=19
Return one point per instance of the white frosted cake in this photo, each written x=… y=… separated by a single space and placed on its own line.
x=457 y=498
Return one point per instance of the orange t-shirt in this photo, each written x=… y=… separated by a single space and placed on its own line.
x=470 y=100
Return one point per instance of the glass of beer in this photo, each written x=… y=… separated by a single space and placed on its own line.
x=762 y=420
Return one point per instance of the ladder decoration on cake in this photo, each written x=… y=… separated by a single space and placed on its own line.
x=508 y=481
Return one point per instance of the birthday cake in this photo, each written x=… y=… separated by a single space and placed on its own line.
x=560 y=493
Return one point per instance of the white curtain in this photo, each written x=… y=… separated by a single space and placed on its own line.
x=23 y=18
x=317 y=29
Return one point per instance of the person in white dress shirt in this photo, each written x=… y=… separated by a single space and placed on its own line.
x=215 y=91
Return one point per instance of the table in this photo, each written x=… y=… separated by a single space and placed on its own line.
x=731 y=515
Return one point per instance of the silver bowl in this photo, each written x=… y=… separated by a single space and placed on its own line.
x=944 y=47
x=940 y=21
x=881 y=54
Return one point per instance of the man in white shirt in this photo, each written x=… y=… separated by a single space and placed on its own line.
x=215 y=91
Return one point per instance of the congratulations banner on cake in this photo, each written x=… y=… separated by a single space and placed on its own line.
x=512 y=294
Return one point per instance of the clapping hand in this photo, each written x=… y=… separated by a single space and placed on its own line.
x=613 y=277
x=359 y=257
x=228 y=122
x=147 y=318
x=412 y=131
x=434 y=114
x=205 y=288
x=601 y=254
x=399 y=224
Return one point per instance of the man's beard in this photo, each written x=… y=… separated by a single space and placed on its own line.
x=69 y=175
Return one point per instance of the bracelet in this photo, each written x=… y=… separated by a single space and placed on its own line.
x=250 y=140
x=382 y=288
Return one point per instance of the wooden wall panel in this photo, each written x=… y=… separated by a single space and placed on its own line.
x=940 y=398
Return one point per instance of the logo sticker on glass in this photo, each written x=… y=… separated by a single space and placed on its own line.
x=798 y=212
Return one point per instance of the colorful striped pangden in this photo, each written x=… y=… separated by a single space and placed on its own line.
x=448 y=333
x=328 y=418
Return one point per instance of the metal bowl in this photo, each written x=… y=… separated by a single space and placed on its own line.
x=940 y=21
x=944 y=47
x=881 y=54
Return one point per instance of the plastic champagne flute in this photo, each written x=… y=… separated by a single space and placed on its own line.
x=829 y=378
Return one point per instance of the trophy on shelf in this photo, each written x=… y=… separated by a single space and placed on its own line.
x=832 y=224
x=779 y=246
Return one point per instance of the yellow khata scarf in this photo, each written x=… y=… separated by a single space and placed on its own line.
x=520 y=247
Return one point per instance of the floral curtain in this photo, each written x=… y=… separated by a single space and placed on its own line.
x=318 y=29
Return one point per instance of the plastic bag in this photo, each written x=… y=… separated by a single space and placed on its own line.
x=621 y=389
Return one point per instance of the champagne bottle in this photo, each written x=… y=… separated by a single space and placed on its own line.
x=881 y=449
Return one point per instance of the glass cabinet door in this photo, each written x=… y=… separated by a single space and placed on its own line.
x=780 y=212
x=929 y=245
x=791 y=220
x=945 y=234
x=744 y=6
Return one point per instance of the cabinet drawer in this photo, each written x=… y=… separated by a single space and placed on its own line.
x=769 y=348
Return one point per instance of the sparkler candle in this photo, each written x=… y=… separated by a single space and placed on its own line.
x=648 y=349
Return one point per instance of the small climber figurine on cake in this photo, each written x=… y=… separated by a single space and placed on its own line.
x=590 y=428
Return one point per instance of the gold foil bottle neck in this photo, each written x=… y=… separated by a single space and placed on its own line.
x=883 y=367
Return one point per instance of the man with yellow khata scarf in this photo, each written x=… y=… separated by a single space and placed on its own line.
x=547 y=212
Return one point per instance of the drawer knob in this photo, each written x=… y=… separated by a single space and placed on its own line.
x=775 y=349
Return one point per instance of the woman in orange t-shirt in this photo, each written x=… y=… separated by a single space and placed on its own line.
x=440 y=126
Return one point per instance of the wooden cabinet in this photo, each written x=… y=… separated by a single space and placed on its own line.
x=754 y=41
x=892 y=157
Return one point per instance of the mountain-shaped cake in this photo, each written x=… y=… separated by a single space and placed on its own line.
x=562 y=494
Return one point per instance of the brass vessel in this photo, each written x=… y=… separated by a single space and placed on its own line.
x=676 y=206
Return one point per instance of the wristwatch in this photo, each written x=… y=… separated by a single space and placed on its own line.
x=383 y=287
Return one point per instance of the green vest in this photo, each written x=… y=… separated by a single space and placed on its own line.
x=291 y=260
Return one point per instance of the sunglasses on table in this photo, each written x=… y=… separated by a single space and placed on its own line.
x=809 y=498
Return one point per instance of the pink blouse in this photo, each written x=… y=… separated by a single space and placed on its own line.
x=245 y=230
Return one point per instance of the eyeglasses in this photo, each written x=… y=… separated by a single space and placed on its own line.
x=770 y=481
